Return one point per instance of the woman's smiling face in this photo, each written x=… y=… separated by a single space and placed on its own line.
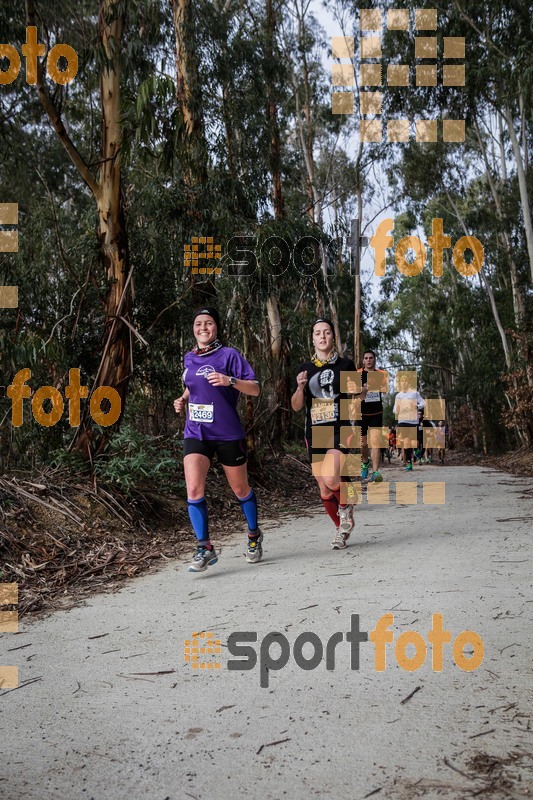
x=205 y=330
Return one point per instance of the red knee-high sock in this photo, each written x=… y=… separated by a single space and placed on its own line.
x=337 y=494
x=331 y=505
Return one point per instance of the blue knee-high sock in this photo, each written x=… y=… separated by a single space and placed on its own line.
x=249 y=508
x=199 y=518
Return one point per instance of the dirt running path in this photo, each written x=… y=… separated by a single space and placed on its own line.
x=99 y=722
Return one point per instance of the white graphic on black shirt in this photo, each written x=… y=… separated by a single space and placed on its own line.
x=321 y=385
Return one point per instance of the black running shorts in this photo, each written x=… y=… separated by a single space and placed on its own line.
x=370 y=421
x=229 y=453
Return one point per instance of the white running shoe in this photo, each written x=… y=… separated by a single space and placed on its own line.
x=202 y=559
x=339 y=542
x=254 y=551
x=346 y=519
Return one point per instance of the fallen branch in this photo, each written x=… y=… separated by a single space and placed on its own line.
x=271 y=744
x=22 y=685
x=405 y=699
x=483 y=733
x=460 y=772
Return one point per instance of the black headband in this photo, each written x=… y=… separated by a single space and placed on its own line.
x=211 y=312
x=327 y=321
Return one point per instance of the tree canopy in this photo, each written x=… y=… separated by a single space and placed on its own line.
x=214 y=119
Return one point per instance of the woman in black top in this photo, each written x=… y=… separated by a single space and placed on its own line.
x=319 y=389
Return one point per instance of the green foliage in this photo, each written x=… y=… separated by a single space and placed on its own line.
x=133 y=459
x=72 y=461
x=444 y=326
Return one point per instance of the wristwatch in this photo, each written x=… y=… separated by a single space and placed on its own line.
x=232 y=381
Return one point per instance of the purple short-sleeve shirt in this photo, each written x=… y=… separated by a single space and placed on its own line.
x=219 y=403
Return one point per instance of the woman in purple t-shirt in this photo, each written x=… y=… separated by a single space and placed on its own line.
x=214 y=376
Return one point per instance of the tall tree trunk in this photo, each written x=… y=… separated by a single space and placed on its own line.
x=357 y=301
x=307 y=140
x=272 y=111
x=488 y=288
x=484 y=281
x=310 y=138
x=522 y=186
x=521 y=349
x=189 y=97
x=518 y=300
x=277 y=352
x=115 y=369
x=116 y=363
x=249 y=406
x=279 y=399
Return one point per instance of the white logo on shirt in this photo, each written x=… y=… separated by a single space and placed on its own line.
x=206 y=370
x=326 y=382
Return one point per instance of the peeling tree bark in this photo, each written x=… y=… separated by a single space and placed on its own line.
x=522 y=186
x=277 y=351
x=111 y=228
x=488 y=288
x=518 y=301
x=307 y=139
x=189 y=98
x=116 y=365
x=272 y=113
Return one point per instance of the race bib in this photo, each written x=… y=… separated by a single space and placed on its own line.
x=323 y=411
x=200 y=412
x=372 y=397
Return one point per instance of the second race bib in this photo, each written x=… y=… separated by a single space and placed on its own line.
x=201 y=412
x=372 y=397
x=323 y=411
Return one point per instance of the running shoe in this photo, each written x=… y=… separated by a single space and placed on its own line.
x=365 y=466
x=376 y=477
x=346 y=519
x=254 y=551
x=339 y=542
x=202 y=559
x=408 y=468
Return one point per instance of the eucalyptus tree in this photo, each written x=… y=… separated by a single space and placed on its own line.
x=109 y=58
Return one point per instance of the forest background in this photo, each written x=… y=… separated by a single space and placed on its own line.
x=195 y=119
